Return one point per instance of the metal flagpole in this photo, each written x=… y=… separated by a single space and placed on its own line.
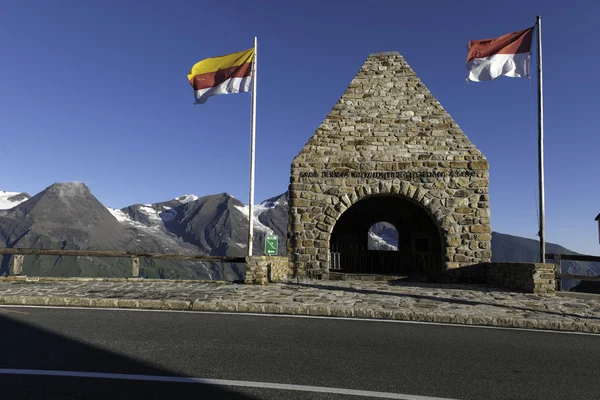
x=252 y=145
x=541 y=141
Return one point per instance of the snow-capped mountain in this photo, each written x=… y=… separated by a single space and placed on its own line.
x=376 y=242
x=68 y=216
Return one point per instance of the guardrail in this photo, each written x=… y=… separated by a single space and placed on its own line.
x=20 y=253
x=559 y=276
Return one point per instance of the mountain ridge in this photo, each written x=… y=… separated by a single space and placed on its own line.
x=67 y=215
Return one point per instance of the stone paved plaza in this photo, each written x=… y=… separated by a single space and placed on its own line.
x=460 y=304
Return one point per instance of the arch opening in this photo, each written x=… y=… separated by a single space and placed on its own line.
x=418 y=245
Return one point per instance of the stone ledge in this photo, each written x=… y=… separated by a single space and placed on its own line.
x=309 y=310
x=385 y=53
x=579 y=295
x=25 y=278
x=520 y=276
x=95 y=302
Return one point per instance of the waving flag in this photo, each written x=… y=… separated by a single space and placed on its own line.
x=509 y=55
x=231 y=73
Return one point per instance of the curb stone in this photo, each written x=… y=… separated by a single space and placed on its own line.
x=316 y=310
x=34 y=279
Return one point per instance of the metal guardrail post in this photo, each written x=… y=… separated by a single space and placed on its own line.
x=135 y=267
x=17 y=267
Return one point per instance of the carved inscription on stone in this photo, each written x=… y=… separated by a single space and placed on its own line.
x=406 y=175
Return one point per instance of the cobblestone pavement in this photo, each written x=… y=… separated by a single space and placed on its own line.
x=459 y=304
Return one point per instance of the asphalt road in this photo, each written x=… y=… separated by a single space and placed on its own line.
x=435 y=361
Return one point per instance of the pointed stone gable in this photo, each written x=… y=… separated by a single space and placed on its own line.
x=389 y=136
x=387 y=114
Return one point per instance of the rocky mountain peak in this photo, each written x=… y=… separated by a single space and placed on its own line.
x=69 y=189
x=68 y=210
x=58 y=199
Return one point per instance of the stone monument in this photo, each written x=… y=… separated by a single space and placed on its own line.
x=388 y=152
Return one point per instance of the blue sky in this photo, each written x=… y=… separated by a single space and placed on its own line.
x=96 y=91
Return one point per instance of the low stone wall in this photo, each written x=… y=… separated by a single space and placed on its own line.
x=263 y=269
x=279 y=269
x=529 y=277
x=525 y=277
x=256 y=271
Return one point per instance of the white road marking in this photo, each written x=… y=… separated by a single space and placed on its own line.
x=13 y=311
x=217 y=382
x=396 y=321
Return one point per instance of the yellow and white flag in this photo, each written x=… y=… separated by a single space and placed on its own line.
x=231 y=73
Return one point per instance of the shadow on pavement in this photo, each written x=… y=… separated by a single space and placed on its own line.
x=438 y=299
x=28 y=347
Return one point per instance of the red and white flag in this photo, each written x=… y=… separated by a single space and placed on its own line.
x=509 y=55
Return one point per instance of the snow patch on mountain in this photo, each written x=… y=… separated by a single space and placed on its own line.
x=124 y=218
x=272 y=204
x=119 y=215
x=257 y=210
x=167 y=214
x=186 y=198
x=159 y=216
x=9 y=200
x=152 y=214
x=157 y=228
x=380 y=243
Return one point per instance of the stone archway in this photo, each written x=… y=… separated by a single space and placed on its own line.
x=388 y=136
x=386 y=197
x=420 y=243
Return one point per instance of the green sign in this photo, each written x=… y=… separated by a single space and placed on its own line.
x=271 y=244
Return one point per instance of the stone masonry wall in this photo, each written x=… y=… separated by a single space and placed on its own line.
x=523 y=276
x=388 y=135
x=256 y=270
x=279 y=269
x=264 y=269
x=528 y=277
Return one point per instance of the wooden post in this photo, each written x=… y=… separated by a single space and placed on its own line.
x=135 y=267
x=17 y=268
x=557 y=272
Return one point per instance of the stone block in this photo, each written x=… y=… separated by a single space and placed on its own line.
x=460 y=258
x=419 y=193
x=453 y=241
x=481 y=229
x=483 y=212
x=483 y=237
x=479 y=183
x=478 y=165
x=346 y=200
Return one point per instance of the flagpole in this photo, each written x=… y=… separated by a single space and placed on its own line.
x=541 y=142
x=252 y=151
